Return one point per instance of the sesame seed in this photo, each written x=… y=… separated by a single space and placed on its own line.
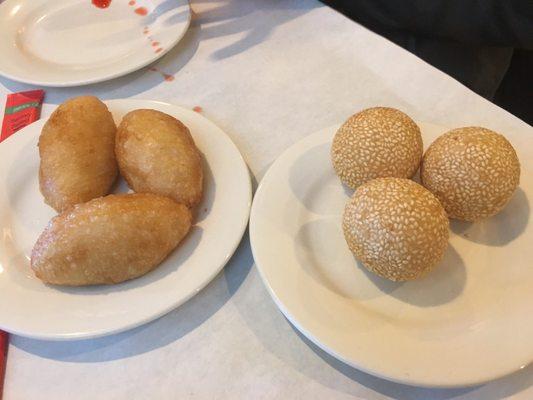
x=376 y=142
x=396 y=227
x=473 y=171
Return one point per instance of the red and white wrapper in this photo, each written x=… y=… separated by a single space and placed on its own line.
x=21 y=109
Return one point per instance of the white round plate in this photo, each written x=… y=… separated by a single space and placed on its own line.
x=73 y=42
x=31 y=308
x=467 y=322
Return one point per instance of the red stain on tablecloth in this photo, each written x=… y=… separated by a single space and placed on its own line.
x=101 y=3
x=132 y=2
x=158 y=50
x=141 y=11
x=198 y=109
x=166 y=77
x=155 y=44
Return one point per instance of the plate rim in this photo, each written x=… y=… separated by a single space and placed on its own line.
x=327 y=133
x=104 y=78
x=243 y=224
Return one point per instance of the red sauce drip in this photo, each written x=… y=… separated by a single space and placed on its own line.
x=155 y=44
x=132 y=2
x=158 y=50
x=141 y=11
x=198 y=109
x=101 y=3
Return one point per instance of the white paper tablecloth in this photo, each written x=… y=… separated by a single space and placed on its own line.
x=268 y=73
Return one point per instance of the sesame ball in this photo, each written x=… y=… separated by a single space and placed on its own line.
x=374 y=143
x=398 y=229
x=473 y=172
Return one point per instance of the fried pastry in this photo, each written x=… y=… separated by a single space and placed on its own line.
x=76 y=148
x=109 y=240
x=156 y=153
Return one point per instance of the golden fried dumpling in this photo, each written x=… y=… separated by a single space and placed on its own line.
x=156 y=154
x=76 y=148
x=109 y=240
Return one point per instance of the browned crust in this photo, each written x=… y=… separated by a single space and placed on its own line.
x=76 y=148
x=156 y=153
x=109 y=239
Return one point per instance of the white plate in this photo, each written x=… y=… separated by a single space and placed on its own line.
x=73 y=42
x=30 y=308
x=467 y=322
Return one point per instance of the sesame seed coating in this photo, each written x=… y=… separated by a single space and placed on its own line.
x=398 y=229
x=374 y=143
x=473 y=171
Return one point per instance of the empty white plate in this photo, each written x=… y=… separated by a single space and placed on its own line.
x=74 y=42
x=31 y=308
x=467 y=322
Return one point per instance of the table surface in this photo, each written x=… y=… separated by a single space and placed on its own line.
x=268 y=73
